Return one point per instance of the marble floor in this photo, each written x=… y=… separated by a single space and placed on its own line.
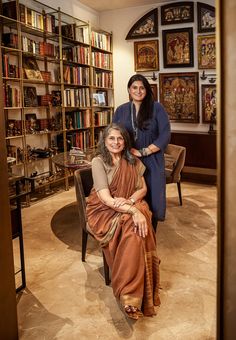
x=66 y=299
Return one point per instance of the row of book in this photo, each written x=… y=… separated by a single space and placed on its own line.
x=78 y=119
x=102 y=60
x=31 y=45
x=74 y=32
x=102 y=79
x=9 y=70
x=12 y=97
x=35 y=19
x=77 y=97
x=101 y=40
x=76 y=75
x=102 y=117
x=80 y=139
x=40 y=47
x=77 y=54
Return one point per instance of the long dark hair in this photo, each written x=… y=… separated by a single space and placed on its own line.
x=146 y=108
x=103 y=151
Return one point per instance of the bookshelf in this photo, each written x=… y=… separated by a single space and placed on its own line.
x=102 y=91
x=57 y=87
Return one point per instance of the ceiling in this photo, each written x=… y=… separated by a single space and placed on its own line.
x=106 y=5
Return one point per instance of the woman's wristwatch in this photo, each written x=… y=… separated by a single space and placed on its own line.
x=144 y=151
x=132 y=200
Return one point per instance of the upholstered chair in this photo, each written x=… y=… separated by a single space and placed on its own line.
x=83 y=185
x=174 y=163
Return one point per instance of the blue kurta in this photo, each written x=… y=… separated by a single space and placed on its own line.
x=156 y=132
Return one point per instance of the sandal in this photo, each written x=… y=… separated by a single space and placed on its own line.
x=132 y=312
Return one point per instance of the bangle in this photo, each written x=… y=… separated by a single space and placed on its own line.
x=130 y=211
x=132 y=200
x=143 y=152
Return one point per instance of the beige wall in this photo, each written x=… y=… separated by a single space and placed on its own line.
x=119 y=22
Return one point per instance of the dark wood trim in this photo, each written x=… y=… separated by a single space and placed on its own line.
x=200 y=163
x=8 y=319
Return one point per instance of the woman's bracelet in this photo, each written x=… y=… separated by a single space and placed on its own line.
x=143 y=152
x=131 y=211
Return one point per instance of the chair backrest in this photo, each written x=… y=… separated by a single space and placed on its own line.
x=83 y=184
x=178 y=153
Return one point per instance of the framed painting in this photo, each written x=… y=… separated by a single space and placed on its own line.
x=154 y=90
x=179 y=96
x=146 y=55
x=178 y=13
x=146 y=27
x=178 y=47
x=206 y=18
x=206 y=51
x=208 y=103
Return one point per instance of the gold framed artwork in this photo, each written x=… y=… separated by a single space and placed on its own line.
x=145 y=27
x=206 y=52
x=154 y=91
x=206 y=18
x=178 y=47
x=146 y=55
x=208 y=103
x=178 y=13
x=179 y=96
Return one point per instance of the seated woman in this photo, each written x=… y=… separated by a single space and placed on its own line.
x=120 y=219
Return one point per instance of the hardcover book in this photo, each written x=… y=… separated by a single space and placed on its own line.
x=30 y=96
x=31 y=69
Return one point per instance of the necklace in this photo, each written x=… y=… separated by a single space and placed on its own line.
x=134 y=125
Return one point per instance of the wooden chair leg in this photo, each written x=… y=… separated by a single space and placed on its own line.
x=84 y=244
x=106 y=270
x=179 y=192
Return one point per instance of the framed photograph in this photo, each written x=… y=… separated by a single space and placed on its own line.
x=146 y=55
x=179 y=96
x=208 y=103
x=178 y=13
x=178 y=47
x=206 y=51
x=146 y=27
x=154 y=91
x=206 y=18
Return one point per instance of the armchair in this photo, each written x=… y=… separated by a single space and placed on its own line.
x=174 y=163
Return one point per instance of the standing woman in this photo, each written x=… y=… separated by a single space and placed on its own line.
x=149 y=128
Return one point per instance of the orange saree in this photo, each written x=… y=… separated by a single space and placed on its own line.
x=132 y=260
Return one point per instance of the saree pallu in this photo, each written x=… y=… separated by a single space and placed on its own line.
x=132 y=259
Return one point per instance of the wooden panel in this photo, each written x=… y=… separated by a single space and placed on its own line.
x=200 y=148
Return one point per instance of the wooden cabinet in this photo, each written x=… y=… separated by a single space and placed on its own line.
x=200 y=163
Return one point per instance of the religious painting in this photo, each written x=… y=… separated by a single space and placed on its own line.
x=208 y=103
x=178 y=47
x=154 y=91
x=146 y=55
x=179 y=96
x=146 y=27
x=206 y=52
x=178 y=13
x=206 y=18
